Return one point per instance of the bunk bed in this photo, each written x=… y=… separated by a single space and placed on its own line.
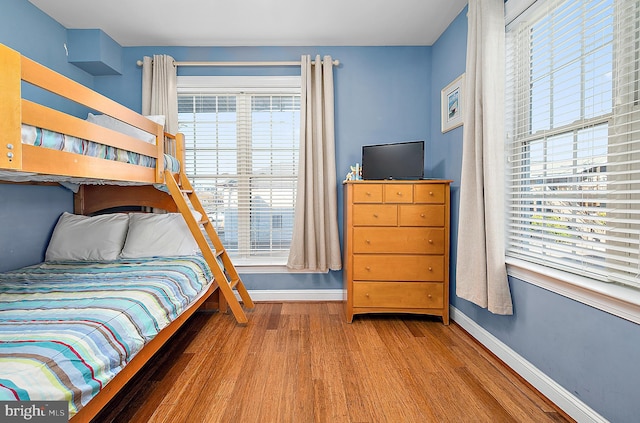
x=108 y=168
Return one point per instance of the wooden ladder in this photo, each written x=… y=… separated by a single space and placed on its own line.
x=218 y=259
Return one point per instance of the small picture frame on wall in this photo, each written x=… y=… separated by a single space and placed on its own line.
x=451 y=104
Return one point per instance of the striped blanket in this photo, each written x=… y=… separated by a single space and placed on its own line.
x=54 y=140
x=66 y=329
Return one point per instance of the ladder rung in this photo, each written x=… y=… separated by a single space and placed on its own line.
x=185 y=197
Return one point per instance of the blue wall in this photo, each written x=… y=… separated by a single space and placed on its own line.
x=28 y=212
x=381 y=95
x=25 y=28
x=592 y=354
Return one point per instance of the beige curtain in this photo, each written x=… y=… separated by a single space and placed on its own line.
x=481 y=275
x=160 y=90
x=316 y=244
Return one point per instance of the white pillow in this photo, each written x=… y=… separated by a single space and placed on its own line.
x=96 y=238
x=159 y=119
x=117 y=125
x=158 y=235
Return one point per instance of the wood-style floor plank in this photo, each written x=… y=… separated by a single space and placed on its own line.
x=301 y=362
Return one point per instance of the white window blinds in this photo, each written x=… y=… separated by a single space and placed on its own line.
x=573 y=140
x=242 y=145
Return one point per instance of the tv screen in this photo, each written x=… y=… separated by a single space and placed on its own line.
x=402 y=160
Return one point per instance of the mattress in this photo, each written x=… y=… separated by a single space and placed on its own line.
x=45 y=138
x=67 y=328
x=40 y=137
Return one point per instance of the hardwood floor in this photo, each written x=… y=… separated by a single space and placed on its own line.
x=301 y=362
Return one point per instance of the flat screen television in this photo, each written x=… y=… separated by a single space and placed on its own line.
x=400 y=160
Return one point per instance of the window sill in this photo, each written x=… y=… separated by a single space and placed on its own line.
x=618 y=300
x=259 y=268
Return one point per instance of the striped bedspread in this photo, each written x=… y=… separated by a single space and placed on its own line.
x=66 y=329
x=49 y=139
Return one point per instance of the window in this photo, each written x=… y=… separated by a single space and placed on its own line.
x=573 y=138
x=242 y=139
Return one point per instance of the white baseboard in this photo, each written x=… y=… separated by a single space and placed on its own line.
x=564 y=399
x=296 y=294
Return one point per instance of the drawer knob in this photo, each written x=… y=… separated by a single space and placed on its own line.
x=375 y=215
x=430 y=241
x=368 y=193
x=421 y=214
x=429 y=296
x=430 y=268
x=430 y=192
x=367 y=268
x=399 y=193
x=368 y=241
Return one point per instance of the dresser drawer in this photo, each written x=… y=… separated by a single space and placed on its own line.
x=430 y=193
x=367 y=193
x=382 y=267
x=398 y=294
x=398 y=193
x=375 y=215
x=421 y=215
x=398 y=240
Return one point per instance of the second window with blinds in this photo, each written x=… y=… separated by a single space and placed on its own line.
x=573 y=142
x=242 y=137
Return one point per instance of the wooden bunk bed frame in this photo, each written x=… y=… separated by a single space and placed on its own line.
x=15 y=70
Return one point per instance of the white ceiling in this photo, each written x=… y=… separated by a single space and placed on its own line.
x=259 y=22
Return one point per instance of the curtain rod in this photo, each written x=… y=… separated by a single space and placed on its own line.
x=296 y=63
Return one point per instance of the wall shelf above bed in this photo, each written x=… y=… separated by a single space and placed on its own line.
x=93 y=51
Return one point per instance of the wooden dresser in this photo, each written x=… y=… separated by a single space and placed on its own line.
x=396 y=247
